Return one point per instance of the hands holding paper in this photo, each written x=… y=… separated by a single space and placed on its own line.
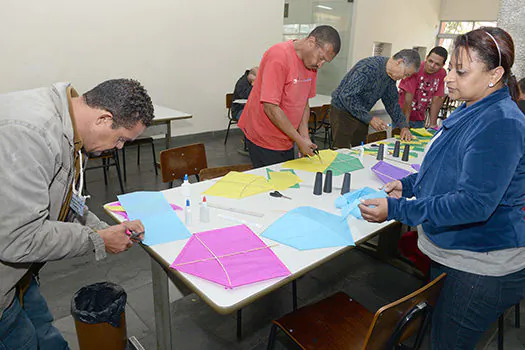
x=115 y=237
x=379 y=212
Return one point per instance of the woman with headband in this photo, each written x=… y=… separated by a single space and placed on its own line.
x=469 y=193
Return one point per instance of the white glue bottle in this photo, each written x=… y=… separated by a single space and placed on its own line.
x=187 y=213
x=362 y=152
x=204 y=211
x=185 y=187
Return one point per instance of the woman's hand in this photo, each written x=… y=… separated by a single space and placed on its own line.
x=394 y=189
x=378 y=213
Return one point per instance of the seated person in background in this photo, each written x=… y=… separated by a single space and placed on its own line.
x=242 y=90
x=424 y=88
x=371 y=79
x=521 y=101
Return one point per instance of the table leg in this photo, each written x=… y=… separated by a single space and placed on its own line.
x=168 y=134
x=239 y=324
x=161 y=305
x=294 y=294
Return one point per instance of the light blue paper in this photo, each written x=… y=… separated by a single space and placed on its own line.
x=310 y=228
x=348 y=203
x=161 y=223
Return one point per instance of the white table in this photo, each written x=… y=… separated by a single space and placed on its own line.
x=164 y=115
x=298 y=262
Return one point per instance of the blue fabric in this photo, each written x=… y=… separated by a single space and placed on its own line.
x=348 y=203
x=363 y=86
x=468 y=304
x=417 y=124
x=471 y=186
x=30 y=327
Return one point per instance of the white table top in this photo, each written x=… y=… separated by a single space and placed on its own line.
x=317 y=101
x=163 y=114
x=298 y=262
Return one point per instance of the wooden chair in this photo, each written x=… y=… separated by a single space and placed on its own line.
x=178 y=161
x=340 y=322
x=138 y=142
x=231 y=120
x=212 y=173
x=376 y=136
x=109 y=158
x=320 y=119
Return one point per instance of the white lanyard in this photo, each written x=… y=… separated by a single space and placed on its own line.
x=81 y=183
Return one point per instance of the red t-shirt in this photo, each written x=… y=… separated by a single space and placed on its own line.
x=424 y=87
x=282 y=80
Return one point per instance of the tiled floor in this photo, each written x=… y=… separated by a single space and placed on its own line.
x=196 y=325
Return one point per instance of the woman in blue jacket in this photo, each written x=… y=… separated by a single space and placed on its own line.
x=469 y=193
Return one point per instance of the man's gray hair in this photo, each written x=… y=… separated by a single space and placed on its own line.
x=410 y=57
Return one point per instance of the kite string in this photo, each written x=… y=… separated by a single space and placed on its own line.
x=226 y=255
x=217 y=258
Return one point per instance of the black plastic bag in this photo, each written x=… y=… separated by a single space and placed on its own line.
x=98 y=303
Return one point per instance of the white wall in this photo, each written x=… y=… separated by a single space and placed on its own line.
x=403 y=23
x=469 y=10
x=188 y=54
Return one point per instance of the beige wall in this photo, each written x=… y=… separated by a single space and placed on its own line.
x=469 y=10
x=403 y=23
x=188 y=54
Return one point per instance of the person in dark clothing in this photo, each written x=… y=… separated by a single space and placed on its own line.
x=521 y=101
x=371 y=79
x=242 y=90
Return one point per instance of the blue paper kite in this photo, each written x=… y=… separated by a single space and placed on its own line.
x=161 y=223
x=348 y=203
x=310 y=228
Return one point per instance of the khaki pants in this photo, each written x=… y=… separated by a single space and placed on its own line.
x=347 y=131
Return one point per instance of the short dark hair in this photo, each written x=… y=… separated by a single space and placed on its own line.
x=126 y=99
x=521 y=84
x=410 y=57
x=327 y=35
x=440 y=51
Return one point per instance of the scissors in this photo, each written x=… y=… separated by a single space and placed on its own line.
x=134 y=235
x=278 y=194
x=316 y=152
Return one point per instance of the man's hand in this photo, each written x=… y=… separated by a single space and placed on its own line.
x=377 y=214
x=406 y=135
x=115 y=237
x=306 y=146
x=378 y=124
x=135 y=226
x=394 y=189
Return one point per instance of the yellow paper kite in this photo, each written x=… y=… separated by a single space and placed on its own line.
x=421 y=132
x=283 y=180
x=312 y=164
x=239 y=185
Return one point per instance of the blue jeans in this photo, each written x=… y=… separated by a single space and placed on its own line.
x=469 y=304
x=416 y=124
x=30 y=326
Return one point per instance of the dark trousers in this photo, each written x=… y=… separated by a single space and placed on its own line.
x=469 y=304
x=263 y=157
x=347 y=131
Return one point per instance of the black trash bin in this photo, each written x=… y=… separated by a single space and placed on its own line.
x=100 y=320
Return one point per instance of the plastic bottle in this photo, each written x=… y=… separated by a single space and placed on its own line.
x=185 y=187
x=389 y=131
x=362 y=152
x=187 y=213
x=204 y=211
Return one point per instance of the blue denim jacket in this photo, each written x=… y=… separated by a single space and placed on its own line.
x=470 y=190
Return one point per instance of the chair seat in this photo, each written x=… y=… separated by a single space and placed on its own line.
x=337 y=322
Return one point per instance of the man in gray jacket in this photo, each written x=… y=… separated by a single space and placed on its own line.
x=45 y=136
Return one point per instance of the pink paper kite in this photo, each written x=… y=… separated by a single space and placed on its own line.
x=231 y=256
x=125 y=215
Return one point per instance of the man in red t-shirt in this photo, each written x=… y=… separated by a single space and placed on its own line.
x=277 y=112
x=423 y=88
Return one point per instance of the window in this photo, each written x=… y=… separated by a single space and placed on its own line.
x=449 y=30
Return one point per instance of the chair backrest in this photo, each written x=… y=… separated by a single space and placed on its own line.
x=376 y=136
x=396 y=131
x=212 y=173
x=229 y=100
x=325 y=114
x=175 y=162
x=397 y=321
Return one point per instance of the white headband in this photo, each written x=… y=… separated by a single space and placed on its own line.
x=495 y=42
